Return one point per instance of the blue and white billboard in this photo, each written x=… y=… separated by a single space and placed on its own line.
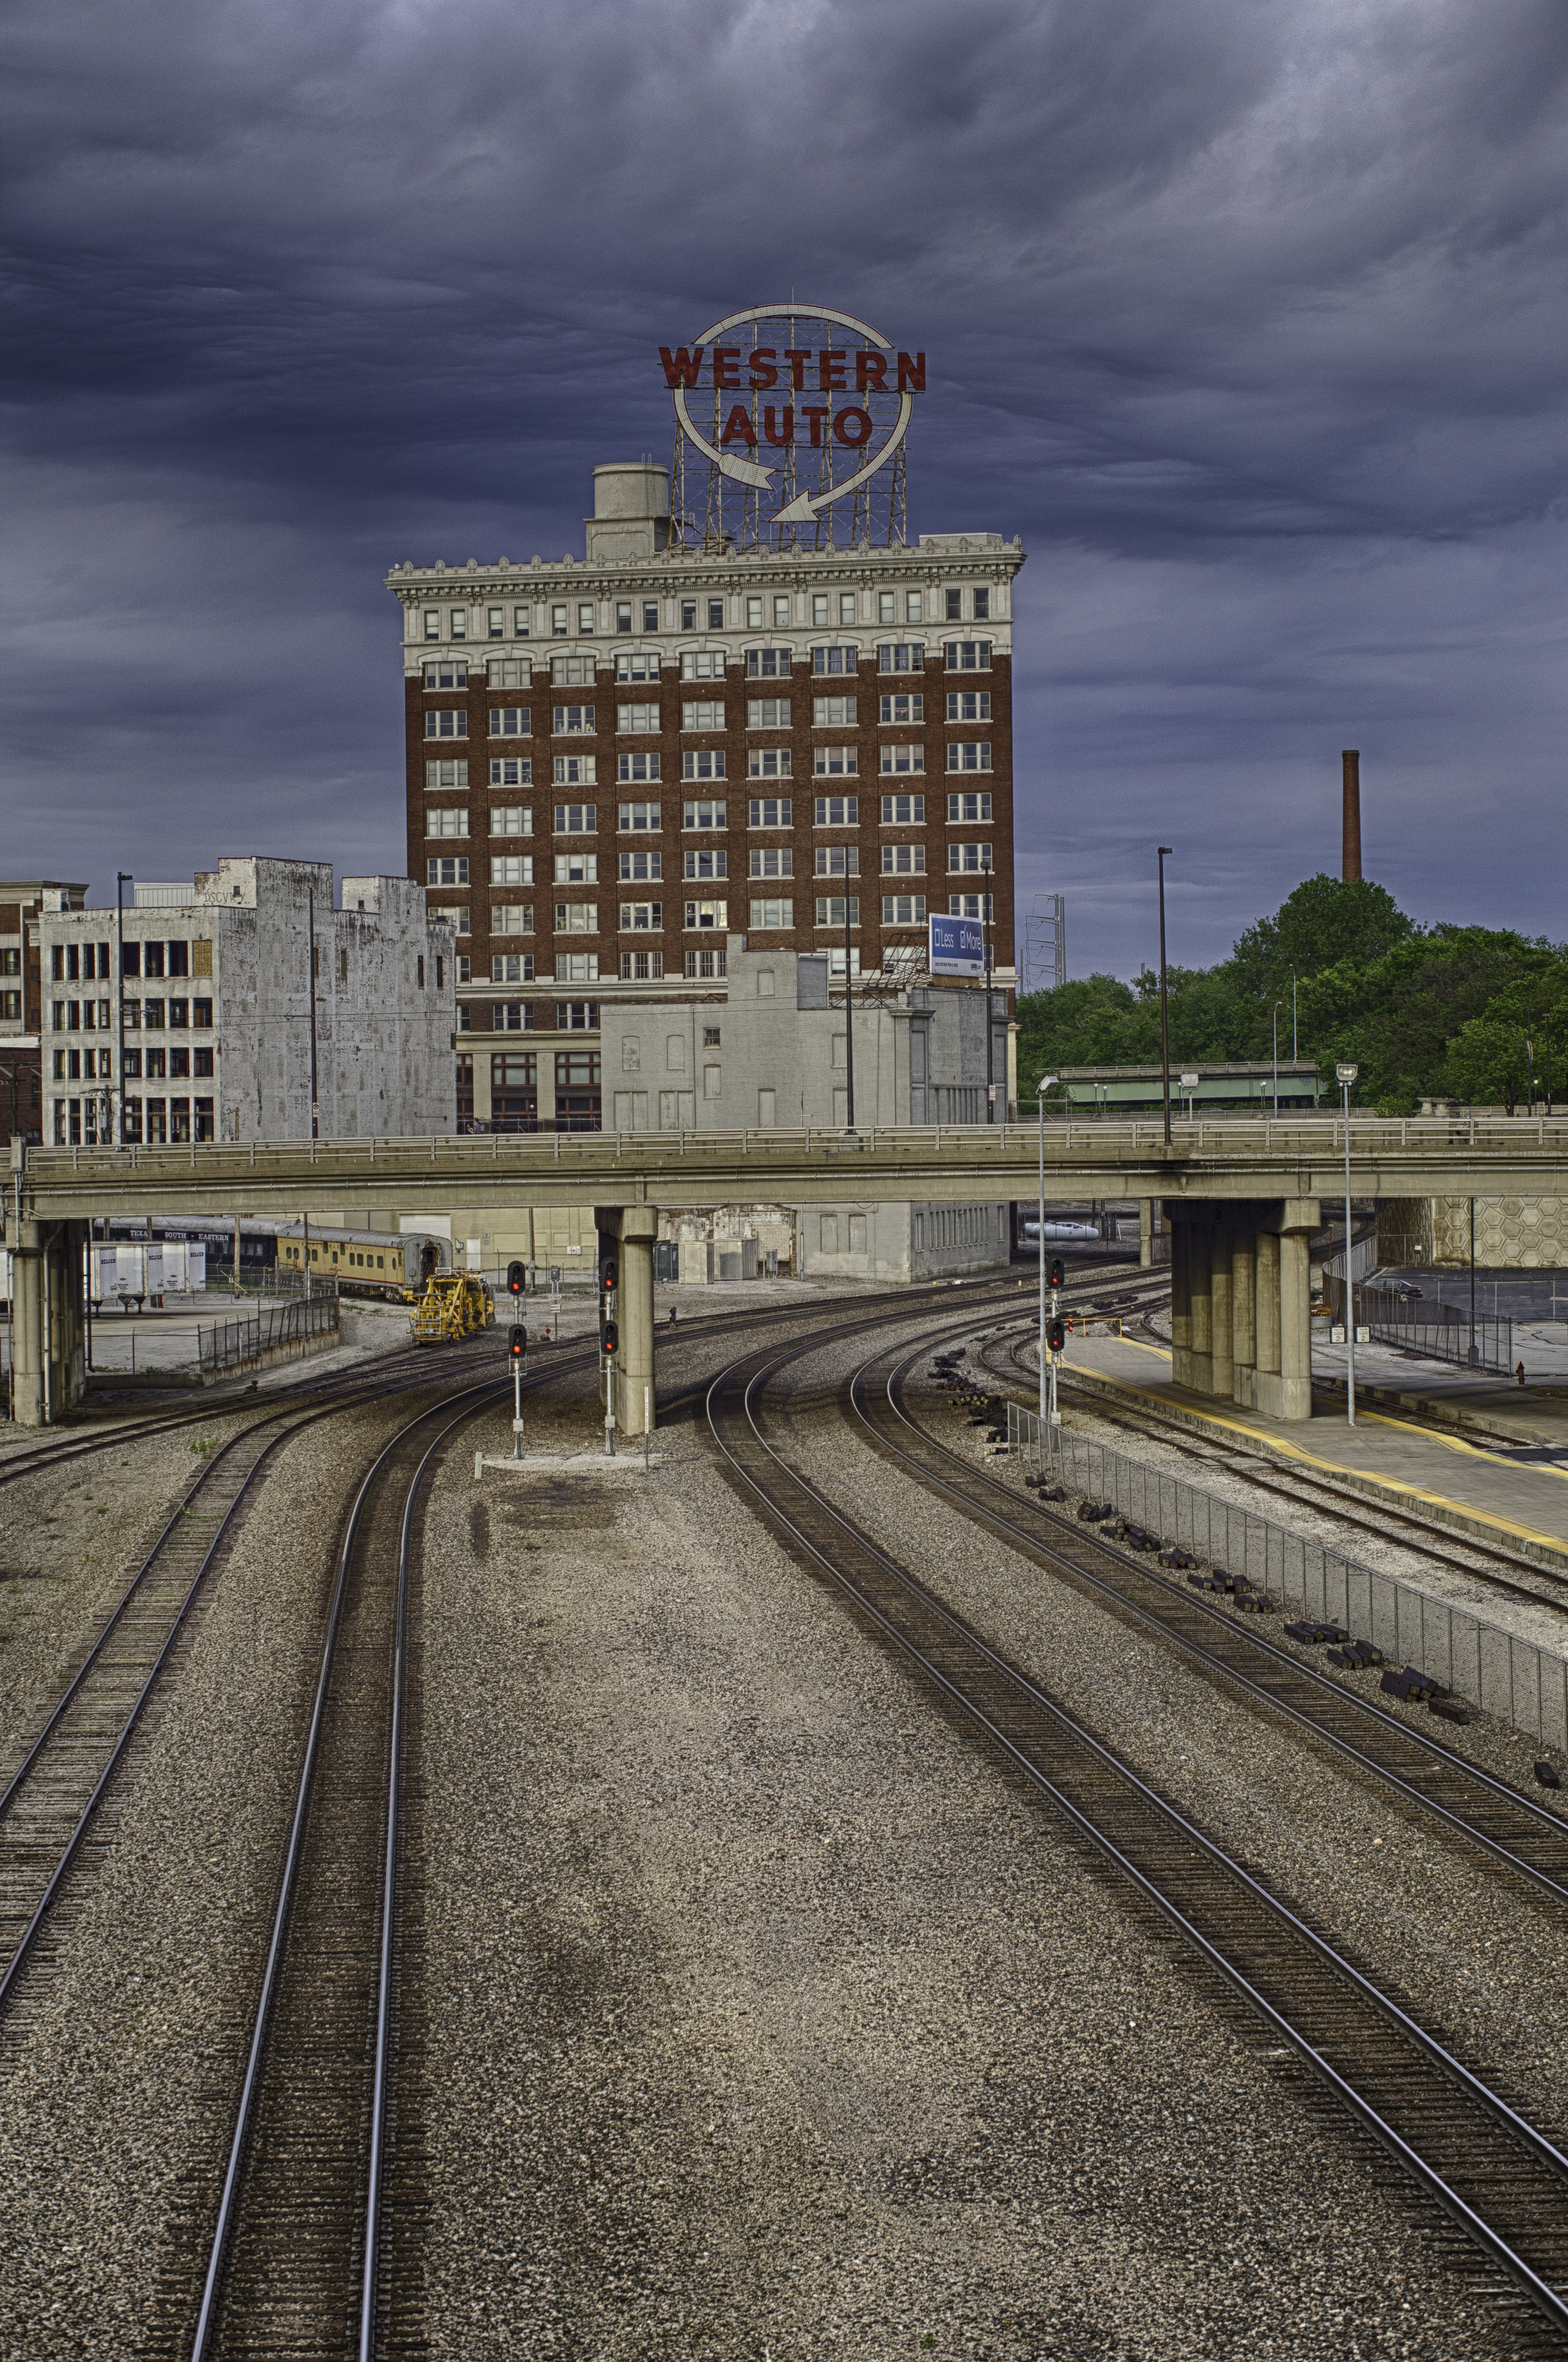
x=957 y=947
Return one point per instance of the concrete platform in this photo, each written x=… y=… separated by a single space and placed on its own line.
x=1483 y=1489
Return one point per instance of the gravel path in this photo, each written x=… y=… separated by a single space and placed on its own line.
x=777 y=2021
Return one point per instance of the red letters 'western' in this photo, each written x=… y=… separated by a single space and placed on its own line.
x=911 y=372
x=680 y=366
x=724 y=371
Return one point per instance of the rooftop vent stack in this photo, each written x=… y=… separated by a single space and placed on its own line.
x=1352 y=861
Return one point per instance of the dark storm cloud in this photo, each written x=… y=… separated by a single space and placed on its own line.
x=1249 y=318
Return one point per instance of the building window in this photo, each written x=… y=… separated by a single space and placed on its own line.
x=954 y=606
x=902 y=709
x=753 y=615
x=833 y=713
x=768 y=663
x=571 y=672
x=638 y=664
x=577 y=820
x=903 y=860
x=510 y=672
x=969 y=807
x=522 y=621
x=772 y=914
x=705 y=963
x=512 y=1016
x=897 y=755
x=715 y=614
x=637 y=869
x=708 y=914
x=837 y=861
x=460 y=626
x=847 y=607
x=577 y=869
x=511 y=869
x=446 y=775
x=572 y=721
x=771 y=861
x=702 y=713
x=450 y=672
x=577 y=771
x=631 y=770
x=834 y=659
x=966 y=655
x=447 y=721
x=447 y=820
x=464 y=1017
x=902 y=656
x=771 y=812
x=511 y=720
x=577 y=1016
x=768 y=714
x=707 y=861
x=971 y=906
x=968 y=705
x=511 y=820
x=576 y=917
x=419 y=967
x=623 y=616
x=702 y=815
x=630 y=718
x=650 y=614
x=577 y=967
x=887 y=602
x=903 y=910
x=965 y=856
x=829 y=910
x=819 y=607
x=511 y=967
x=982 y=605
x=836 y=762
x=495 y=623
x=781 y=609
x=200 y=1012
x=448 y=870
x=641 y=918
x=688 y=614
x=511 y=918
x=202 y=1061
x=970 y=754
x=769 y=762
x=641 y=967
x=702 y=664
x=432 y=623
x=456 y=915
x=839 y=811
x=639 y=819
x=203 y=1114
x=585 y=619
x=914 y=606
x=706 y=764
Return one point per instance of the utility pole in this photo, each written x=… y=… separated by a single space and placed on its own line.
x=1164 y=1026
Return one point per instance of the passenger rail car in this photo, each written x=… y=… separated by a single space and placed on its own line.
x=370 y=1263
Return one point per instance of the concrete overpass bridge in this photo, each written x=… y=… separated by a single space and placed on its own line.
x=1242 y=1195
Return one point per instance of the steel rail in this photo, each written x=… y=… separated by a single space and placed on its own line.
x=1276 y=1913
x=493 y=1390
x=1555 y=1884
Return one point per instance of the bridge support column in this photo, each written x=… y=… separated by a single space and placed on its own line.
x=1145 y=1234
x=1181 y=1299
x=28 y=1404
x=1281 y=1381
x=49 y=1321
x=1200 y=1301
x=635 y=1230
x=1222 y=1363
x=1243 y=1308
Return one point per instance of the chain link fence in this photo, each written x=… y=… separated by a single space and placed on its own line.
x=1496 y=1669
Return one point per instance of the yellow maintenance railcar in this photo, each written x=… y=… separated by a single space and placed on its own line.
x=455 y=1304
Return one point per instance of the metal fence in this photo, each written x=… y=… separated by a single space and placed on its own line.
x=242 y=1344
x=1441 y=1333
x=1506 y=1676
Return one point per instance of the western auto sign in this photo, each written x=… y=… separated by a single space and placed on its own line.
x=778 y=379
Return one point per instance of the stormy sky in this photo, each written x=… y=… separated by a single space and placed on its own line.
x=1249 y=317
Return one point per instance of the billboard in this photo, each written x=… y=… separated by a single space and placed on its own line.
x=957 y=947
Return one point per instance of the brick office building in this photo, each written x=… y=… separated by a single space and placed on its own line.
x=616 y=764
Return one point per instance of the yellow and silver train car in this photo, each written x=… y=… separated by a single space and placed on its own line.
x=377 y=1262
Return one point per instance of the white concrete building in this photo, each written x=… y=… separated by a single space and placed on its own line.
x=193 y=1015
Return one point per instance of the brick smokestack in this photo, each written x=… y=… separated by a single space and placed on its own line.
x=1352 y=853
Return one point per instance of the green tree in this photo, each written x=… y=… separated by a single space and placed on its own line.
x=1325 y=921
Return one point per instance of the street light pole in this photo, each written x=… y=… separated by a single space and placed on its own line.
x=1165 y=1028
x=1346 y=1076
x=1044 y=1085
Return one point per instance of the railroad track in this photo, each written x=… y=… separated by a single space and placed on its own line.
x=1481 y=1562
x=1501 y=2180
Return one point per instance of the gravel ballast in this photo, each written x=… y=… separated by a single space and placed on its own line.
x=776 y=2020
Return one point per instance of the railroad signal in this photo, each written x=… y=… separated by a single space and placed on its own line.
x=608 y=1273
x=611 y=1339
x=1057 y=1275
x=517 y=1344
x=1056 y=1336
x=516 y=1277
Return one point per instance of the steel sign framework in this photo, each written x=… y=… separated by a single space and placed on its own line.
x=798 y=417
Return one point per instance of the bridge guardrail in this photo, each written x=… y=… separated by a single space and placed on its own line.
x=1496 y=1669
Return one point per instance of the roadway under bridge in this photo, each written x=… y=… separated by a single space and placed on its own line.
x=1243 y=1197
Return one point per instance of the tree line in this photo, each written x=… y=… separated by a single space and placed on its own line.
x=1476 y=1014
